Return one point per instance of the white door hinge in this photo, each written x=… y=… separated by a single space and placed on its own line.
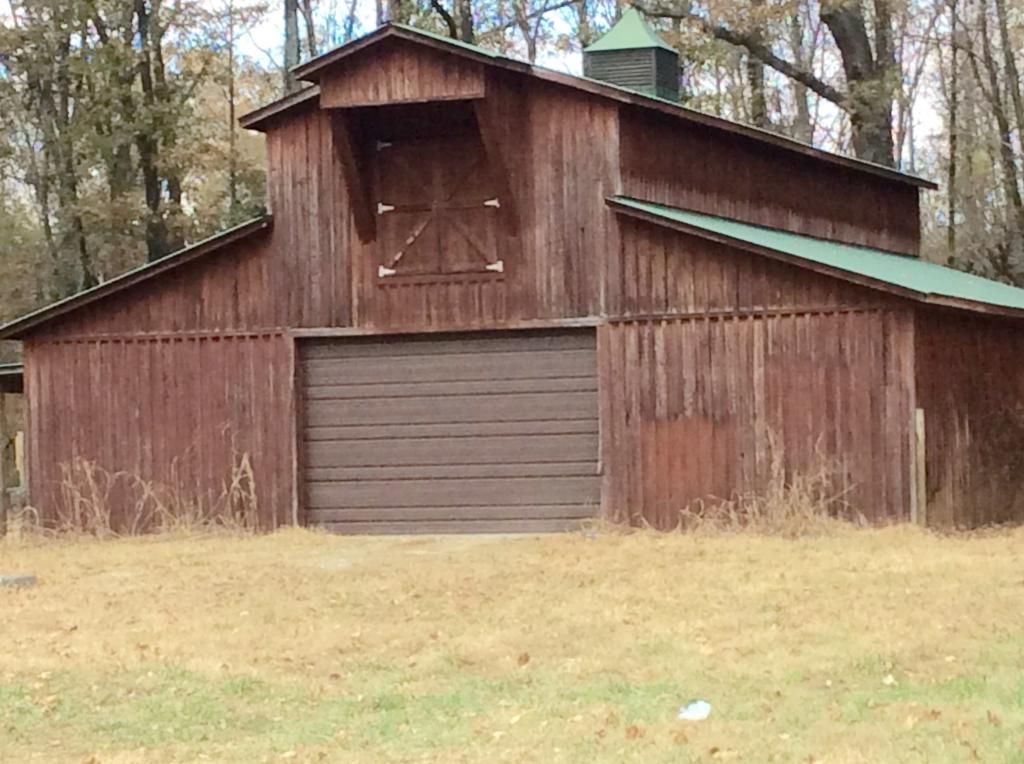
x=382 y=208
x=498 y=266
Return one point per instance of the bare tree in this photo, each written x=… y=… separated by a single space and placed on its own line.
x=867 y=57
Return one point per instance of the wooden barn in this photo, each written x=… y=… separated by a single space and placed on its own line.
x=493 y=297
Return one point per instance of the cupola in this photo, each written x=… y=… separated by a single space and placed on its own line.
x=631 y=55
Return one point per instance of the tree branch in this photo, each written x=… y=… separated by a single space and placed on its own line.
x=449 y=21
x=537 y=14
x=756 y=48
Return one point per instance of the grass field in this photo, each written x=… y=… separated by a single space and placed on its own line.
x=866 y=646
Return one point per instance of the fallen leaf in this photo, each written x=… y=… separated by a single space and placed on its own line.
x=524 y=658
x=633 y=732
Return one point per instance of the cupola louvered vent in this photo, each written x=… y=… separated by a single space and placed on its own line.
x=631 y=55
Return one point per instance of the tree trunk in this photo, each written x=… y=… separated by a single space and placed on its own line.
x=167 y=135
x=291 y=44
x=758 y=102
x=1011 y=75
x=523 y=23
x=755 y=74
x=1010 y=64
x=869 y=76
x=583 y=31
x=67 y=171
x=802 y=129
x=400 y=12
x=147 y=144
x=1011 y=183
x=306 y=6
x=232 y=137
x=467 y=33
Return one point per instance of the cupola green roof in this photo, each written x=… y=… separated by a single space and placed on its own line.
x=629 y=33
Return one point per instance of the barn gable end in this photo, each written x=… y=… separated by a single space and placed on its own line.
x=368 y=78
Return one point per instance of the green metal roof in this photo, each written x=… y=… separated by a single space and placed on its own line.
x=928 y=279
x=629 y=33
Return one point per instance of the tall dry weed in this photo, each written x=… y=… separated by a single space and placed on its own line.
x=791 y=504
x=101 y=503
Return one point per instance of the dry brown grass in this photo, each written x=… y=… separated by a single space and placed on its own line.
x=791 y=505
x=870 y=646
x=98 y=502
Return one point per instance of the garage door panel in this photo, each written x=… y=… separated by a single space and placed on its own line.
x=475 y=433
x=412 y=388
x=431 y=471
x=451 y=451
x=435 y=345
x=491 y=408
x=508 y=525
x=316 y=432
x=457 y=492
x=419 y=514
x=454 y=368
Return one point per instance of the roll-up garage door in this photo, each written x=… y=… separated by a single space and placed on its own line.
x=451 y=433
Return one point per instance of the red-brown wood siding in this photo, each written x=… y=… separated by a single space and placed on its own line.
x=659 y=271
x=692 y=408
x=684 y=165
x=230 y=290
x=563 y=228
x=313 y=230
x=178 y=412
x=395 y=71
x=971 y=386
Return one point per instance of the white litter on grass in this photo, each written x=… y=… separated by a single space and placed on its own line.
x=17 y=581
x=695 y=711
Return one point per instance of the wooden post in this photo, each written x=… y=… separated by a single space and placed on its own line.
x=920 y=475
x=4 y=496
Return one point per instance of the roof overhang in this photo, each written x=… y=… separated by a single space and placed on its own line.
x=689 y=222
x=261 y=118
x=12 y=378
x=18 y=328
x=311 y=70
